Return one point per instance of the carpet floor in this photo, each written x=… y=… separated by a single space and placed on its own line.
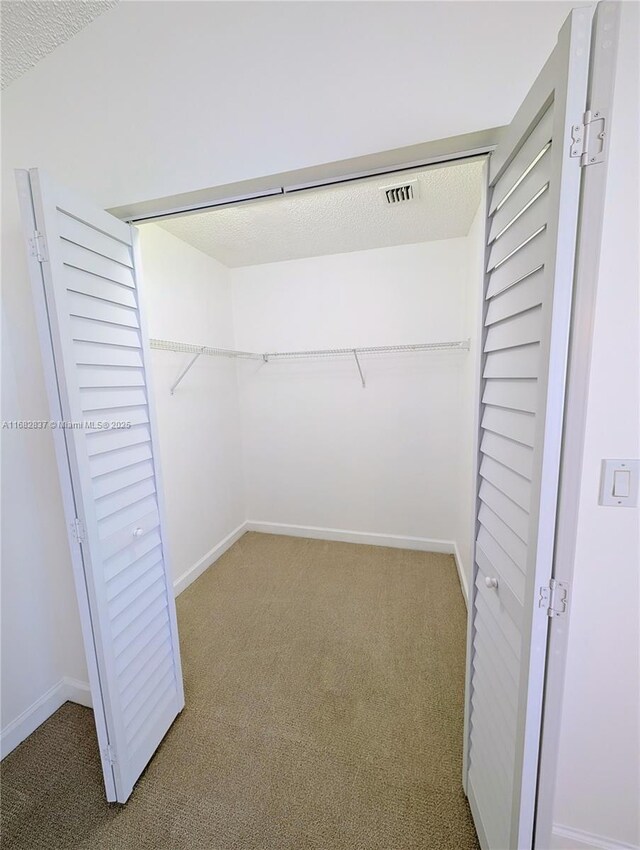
x=324 y=704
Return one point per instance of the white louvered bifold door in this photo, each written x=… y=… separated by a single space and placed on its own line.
x=85 y=279
x=534 y=186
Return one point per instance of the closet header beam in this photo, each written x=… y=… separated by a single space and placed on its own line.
x=198 y=350
x=438 y=152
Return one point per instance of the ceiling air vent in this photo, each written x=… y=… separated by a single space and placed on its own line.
x=400 y=194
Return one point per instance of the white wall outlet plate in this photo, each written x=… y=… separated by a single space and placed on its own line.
x=619 y=483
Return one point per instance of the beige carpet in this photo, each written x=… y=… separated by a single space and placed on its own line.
x=324 y=690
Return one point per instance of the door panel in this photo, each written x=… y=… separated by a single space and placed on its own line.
x=530 y=238
x=95 y=352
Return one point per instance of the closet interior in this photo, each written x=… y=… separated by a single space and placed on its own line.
x=313 y=361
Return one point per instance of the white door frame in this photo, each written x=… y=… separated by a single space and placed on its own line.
x=604 y=46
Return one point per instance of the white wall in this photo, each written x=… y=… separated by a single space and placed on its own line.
x=188 y=298
x=598 y=781
x=160 y=98
x=319 y=450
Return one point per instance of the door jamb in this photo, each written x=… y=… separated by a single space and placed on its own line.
x=604 y=45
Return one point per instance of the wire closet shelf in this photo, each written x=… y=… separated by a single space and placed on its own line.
x=266 y=357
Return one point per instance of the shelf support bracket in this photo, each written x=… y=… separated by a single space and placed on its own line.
x=355 y=354
x=185 y=370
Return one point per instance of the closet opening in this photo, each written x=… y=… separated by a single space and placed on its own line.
x=314 y=366
x=321 y=346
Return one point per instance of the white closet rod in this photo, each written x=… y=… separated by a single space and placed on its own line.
x=198 y=350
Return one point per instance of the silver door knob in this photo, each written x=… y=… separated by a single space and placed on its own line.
x=490 y=581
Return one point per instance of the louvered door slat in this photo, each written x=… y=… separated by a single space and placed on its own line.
x=78 y=257
x=503 y=711
x=488 y=744
x=90 y=238
x=515 y=330
x=501 y=565
x=496 y=680
x=105 y=398
x=507 y=599
x=513 y=424
x=530 y=234
x=119 y=582
x=529 y=188
x=495 y=822
x=515 y=486
x=118 y=479
x=516 y=299
x=527 y=260
x=151 y=646
x=533 y=220
x=506 y=509
x=102 y=464
x=124 y=560
x=522 y=362
x=515 y=394
x=107 y=506
x=531 y=151
x=488 y=603
x=488 y=636
x=97 y=354
x=87 y=284
x=128 y=515
x=504 y=536
x=515 y=456
x=87 y=329
x=121 y=601
x=87 y=288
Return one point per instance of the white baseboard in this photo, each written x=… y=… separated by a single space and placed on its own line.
x=77 y=691
x=212 y=555
x=396 y=541
x=567 y=838
x=462 y=575
x=66 y=690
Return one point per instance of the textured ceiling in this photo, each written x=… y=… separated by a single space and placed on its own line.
x=33 y=28
x=336 y=219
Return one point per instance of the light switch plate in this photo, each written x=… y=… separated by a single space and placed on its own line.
x=620 y=476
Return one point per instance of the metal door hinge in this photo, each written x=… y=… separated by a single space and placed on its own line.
x=38 y=247
x=110 y=754
x=78 y=530
x=588 y=139
x=555 y=598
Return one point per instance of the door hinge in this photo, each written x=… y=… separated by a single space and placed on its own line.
x=110 y=755
x=555 y=598
x=588 y=139
x=78 y=530
x=38 y=247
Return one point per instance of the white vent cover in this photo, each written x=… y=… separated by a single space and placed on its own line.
x=401 y=193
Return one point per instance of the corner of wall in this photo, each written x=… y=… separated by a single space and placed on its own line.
x=66 y=690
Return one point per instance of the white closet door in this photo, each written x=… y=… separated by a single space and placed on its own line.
x=85 y=280
x=534 y=184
